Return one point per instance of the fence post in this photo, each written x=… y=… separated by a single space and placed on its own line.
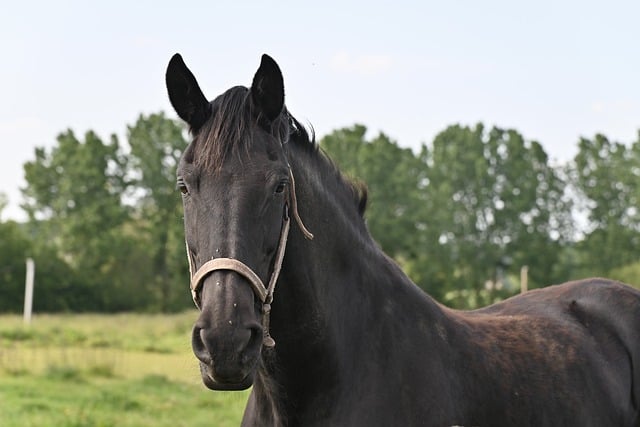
x=28 y=291
x=524 y=276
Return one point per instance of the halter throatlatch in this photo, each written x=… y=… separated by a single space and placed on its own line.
x=264 y=293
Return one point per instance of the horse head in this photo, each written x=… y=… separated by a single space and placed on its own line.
x=237 y=190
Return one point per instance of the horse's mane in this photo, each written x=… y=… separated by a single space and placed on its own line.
x=356 y=189
x=228 y=132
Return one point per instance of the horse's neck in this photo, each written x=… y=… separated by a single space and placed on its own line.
x=334 y=293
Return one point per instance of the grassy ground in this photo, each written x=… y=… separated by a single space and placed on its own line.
x=95 y=370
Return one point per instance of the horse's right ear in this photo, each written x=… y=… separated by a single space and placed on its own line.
x=185 y=95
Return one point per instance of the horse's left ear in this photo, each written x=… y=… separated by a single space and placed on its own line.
x=267 y=89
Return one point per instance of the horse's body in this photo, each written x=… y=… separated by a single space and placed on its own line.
x=358 y=344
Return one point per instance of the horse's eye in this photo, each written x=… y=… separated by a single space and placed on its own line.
x=281 y=187
x=180 y=185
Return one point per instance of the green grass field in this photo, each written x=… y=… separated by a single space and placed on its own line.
x=106 y=370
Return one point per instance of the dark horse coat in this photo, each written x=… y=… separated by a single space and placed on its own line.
x=358 y=344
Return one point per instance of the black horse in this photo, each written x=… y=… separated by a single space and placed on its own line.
x=356 y=342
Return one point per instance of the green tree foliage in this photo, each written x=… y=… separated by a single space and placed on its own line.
x=109 y=226
x=73 y=199
x=461 y=212
x=14 y=248
x=499 y=204
x=605 y=175
x=156 y=146
x=56 y=289
x=393 y=176
x=470 y=208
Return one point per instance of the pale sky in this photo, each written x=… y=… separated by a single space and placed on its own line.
x=553 y=70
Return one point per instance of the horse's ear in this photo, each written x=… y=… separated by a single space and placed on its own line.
x=185 y=95
x=267 y=89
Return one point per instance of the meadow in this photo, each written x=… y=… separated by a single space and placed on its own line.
x=106 y=370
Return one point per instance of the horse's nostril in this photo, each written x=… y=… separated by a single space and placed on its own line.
x=199 y=346
x=253 y=343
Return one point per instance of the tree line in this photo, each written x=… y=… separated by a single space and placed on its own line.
x=461 y=215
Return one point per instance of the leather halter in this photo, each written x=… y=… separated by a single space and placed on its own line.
x=264 y=293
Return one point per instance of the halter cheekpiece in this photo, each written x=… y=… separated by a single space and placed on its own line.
x=264 y=293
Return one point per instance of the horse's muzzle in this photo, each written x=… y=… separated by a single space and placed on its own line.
x=228 y=354
x=213 y=384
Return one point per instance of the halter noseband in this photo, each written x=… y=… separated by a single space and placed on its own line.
x=264 y=293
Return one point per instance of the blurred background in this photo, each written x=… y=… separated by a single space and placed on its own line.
x=512 y=131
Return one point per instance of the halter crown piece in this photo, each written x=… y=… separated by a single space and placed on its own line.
x=264 y=293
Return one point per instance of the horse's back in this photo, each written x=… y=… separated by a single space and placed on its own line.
x=563 y=355
x=596 y=322
x=605 y=308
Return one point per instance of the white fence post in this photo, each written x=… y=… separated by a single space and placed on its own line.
x=28 y=291
x=524 y=278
